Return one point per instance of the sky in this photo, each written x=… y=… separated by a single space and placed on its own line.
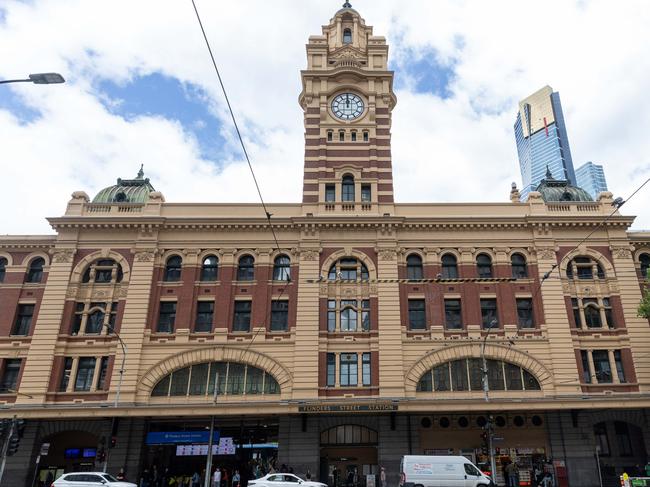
x=140 y=89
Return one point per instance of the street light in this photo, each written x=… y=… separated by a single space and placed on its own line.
x=38 y=79
x=486 y=389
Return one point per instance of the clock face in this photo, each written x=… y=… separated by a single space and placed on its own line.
x=347 y=106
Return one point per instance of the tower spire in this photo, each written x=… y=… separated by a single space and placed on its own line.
x=347 y=5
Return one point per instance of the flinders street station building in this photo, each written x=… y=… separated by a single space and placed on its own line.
x=357 y=338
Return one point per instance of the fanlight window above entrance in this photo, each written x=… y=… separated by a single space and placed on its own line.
x=231 y=379
x=348 y=434
x=467 y=375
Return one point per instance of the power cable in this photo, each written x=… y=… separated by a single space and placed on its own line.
x=617 y=203
x=243 y=146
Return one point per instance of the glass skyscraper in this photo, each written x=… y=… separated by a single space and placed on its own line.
x=542 y=140
x=591 y=178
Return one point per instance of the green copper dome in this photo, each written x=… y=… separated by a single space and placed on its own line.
x=126 y=191
x=558 y=190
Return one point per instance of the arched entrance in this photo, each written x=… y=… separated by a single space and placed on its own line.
x=620 y=449
x=348 y=453
x=69 y=451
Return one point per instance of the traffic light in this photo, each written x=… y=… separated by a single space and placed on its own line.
x=14 y=442
x=484 y=443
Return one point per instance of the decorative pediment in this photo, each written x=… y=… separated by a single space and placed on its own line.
x=347 y=53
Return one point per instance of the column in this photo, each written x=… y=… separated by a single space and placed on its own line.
x=391 y=362
x=133 y=325
x=612 y=365
x=40 y=357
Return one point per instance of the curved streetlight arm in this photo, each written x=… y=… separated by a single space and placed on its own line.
x=124 y=351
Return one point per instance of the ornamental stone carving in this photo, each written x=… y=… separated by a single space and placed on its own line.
x=546 y=253
x=62 y=256
x=71 y=292
x=387 y=254
x=622 y=253
x=145 y=256
x=310 y=255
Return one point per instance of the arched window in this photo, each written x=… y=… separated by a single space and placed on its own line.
x=584 y=268
x=644 y=262
x=282 y=268
x=104 y=271
x=246 y=268
x=414 y=267
x=347 y=36
x=210 y=268
x=230 y=378
x=519 y=268
x=467 y=375
x=592 y=316
x=484 y=265
x=173 y=269
x=95 y=321
x=35 y=271
x=348 y=269
x=348 y=434
x=449 y=266
x=3 y=268
x=347 y=188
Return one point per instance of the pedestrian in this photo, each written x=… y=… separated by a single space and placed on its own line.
x=145 y=480
x=216 y=478
x=120 y=476
x=196 y=479
x=308 y=475
x=236 y=478
x=49 y=479
x=382 y=477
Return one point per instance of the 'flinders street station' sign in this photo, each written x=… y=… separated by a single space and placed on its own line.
x=347 y=408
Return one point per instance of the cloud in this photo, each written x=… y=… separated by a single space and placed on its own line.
x=462 y=67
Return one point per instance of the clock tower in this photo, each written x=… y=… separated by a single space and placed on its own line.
x=347 y=97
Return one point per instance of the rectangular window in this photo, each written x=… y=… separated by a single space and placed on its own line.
x=65 y=374
x=329 y=136
x=365 y=315
x=609 y=317
x=366 y=193
x=417 y=314
x=331 y=315
x=459 y=375
x=586 y=373
x=331 y=370
x=330 y=193
x=453 y=319
x=348 y=369
x=441 y=379
x=576 y=312
x=10 y=374
x=112 y=317
x=85 y=373
x=242 y=316
x=204 y=315
x=348 y=315
x=103 y=371
x=618 y=360
x=167 y=317
x=489 y=316
x=95 y=319
x=365 y=136
x=77 y=318
x=279 y=315
x=603 y=371
x=525 y=313
x=23 y=319
x=199 y=379
x=341 y=136
x=353 y=136
x=365 y=369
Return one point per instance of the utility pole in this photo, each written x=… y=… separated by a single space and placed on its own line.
x=486 y=390
x=109 y=444
x=5 y=447
x=208 y=460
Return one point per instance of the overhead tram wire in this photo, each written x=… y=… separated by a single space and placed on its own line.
x=243 y=146
x=618 y=205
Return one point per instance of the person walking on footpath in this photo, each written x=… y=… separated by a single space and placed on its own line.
x=382 y=477
x=216 y=478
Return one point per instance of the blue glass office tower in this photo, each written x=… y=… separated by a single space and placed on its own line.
x=591 y=178
x=542 y=140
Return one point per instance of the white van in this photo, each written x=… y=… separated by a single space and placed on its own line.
x=440 y=471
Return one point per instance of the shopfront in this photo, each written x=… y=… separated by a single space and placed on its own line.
x=518 y=438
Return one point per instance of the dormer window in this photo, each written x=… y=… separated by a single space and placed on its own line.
x=347 y=36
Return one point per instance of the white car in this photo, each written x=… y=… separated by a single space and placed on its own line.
x=283 y=480
x=90 y=479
